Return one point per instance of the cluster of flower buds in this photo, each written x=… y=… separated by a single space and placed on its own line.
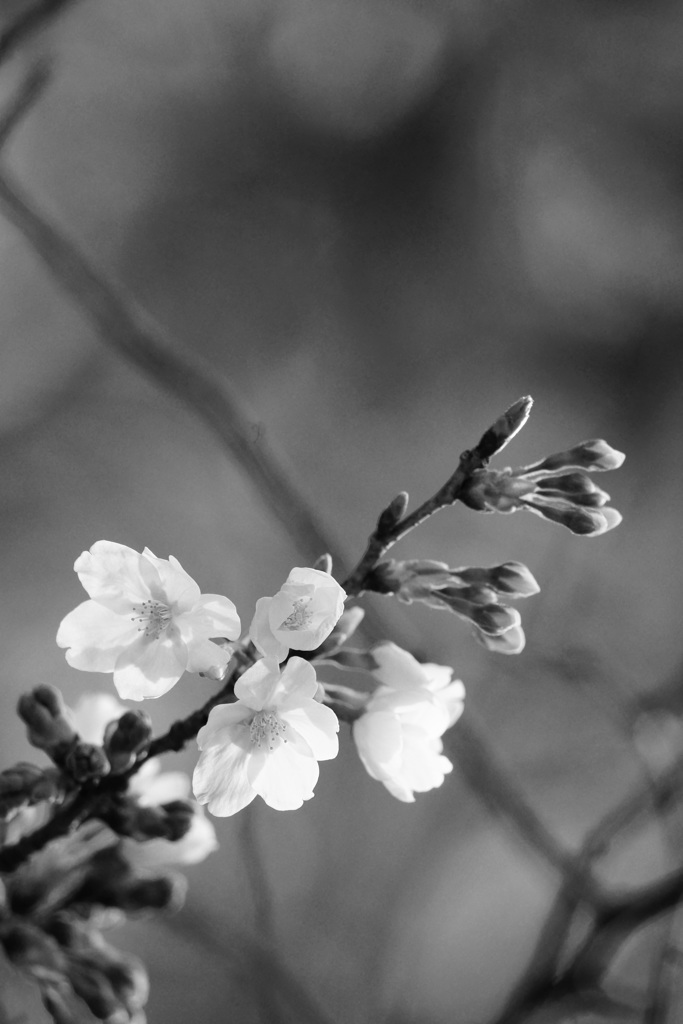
x=557 y=488
x=474 y=594
x=72 y=964
x=50 y=728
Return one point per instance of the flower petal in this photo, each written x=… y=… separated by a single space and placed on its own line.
x=96 y=636
x=258 y=684
x=175 y=587
x=204 y=655
x=212 y=615
x=220 y=779
x=286 y=778
x=110 y=574
x=396 y=667
x=379 y=740
x=261 y=635
x=297 y=682
x=149 y=668
x=317 y=724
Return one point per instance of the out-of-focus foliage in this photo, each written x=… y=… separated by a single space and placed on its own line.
x=383 y=221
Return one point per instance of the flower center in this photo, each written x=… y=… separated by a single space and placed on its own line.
x=299 y=617
x=266 y=728
x=153 y=617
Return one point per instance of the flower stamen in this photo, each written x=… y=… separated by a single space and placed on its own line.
x=153 y=617
x=267 y=728
x=300 y=617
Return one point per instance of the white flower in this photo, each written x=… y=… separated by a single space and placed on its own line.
x=146 y=622
x=399 y=735
x=268 y=743
x=151 y=787
x=300 y=616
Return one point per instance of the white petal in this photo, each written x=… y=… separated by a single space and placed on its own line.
x=414 y=707
x=422 y=762
x=400 y=790
x=220 y=779
x=261 y=635
x=379 y=740
x=317 y=724
x=175 y=587
x=286 y=779
x=204 y=655
x=111 y=574
x=397 y=668
x=454 y=699
x=257 y=686
x=227 y=723
x=211 y=615
x=149 y=668
x=96 y=635
x=297 y=682
x=436 y=676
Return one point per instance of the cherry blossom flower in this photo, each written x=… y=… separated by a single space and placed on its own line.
x=146 y=621
x=152 y=788
x=300 y=616
x=398 y=737
x=268 y=743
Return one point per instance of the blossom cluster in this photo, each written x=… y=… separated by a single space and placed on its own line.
x=263 y=734
x=146 y=622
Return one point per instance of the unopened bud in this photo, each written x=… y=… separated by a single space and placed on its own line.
x=512 y=641
x=169 y=821
x=85 y=762
x=595 y=456
x=512 y=579
x=392 y=514
x=505 y=428
x=46 y=715
x=166 y=892
x=126 y=738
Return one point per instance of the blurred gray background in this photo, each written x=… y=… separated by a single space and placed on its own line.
x=383 y=221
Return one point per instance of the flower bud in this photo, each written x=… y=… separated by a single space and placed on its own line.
x=392 y=514
x=595 y=456
x=505 y=428
x=169 y=821
x=85 y=762
x=126 y=738
x=46 y=715
x=512 y=579
x=512 y=641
